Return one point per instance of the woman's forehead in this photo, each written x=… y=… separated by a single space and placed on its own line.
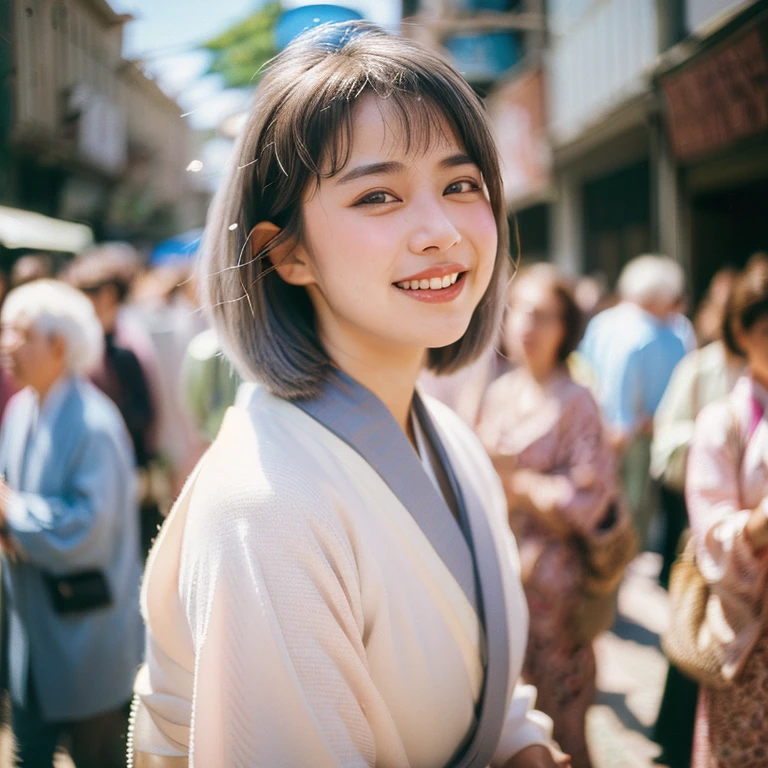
x=386 y=129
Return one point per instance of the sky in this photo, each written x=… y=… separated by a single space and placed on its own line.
x=166 y=33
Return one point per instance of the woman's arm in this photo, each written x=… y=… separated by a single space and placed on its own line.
x=575 y=497
x=756 y=528
x=75 y=529
x=273 y=603
x=731 y=539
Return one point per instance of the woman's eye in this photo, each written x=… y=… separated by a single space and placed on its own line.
x=467 y=185
x=376 y=198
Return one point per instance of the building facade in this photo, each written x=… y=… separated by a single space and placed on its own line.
x=85 y=135
x=626 y=126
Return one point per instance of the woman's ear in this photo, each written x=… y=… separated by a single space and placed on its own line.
x=288 y=258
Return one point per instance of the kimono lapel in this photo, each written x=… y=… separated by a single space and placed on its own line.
x=362 y=421
x=52 y=439
x=493 y=611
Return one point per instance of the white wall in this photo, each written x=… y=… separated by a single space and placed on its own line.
x=700 y=12
x=600 y=56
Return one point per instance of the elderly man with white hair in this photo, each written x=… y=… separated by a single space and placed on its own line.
x=632 y=349
x=69 y=528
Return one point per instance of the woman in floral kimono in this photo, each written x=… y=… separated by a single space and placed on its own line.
x=727 y=497
x=545 y=437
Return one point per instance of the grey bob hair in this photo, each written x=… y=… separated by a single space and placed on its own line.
x=302 y=121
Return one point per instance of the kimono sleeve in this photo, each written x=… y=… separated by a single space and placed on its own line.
x=713 y=494
x=584 y=484
x=76 y=528
x=272 y=597
x=524 y=726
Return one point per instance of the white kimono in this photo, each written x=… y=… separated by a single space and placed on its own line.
x=298 y=616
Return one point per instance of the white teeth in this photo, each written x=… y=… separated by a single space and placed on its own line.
x=433 y=284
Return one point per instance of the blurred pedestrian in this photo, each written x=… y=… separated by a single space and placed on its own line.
x=463 y=391
x=545 y=436
x=709 y=314
x=105 y=274
x=702 y=377
x=164 y=304
x=105 y=277
x=727 y=495
x=8 y=386
x=313 y=598
x=31 y=266
x=209 y=384
x=68 y=528
x=632 y=349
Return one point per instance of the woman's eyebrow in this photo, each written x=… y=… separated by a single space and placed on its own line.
x=371 y=169
x=455 y=160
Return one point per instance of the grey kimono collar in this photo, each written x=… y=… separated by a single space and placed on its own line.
x=361 y=420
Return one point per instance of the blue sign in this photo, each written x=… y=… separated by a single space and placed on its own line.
x=292 y=23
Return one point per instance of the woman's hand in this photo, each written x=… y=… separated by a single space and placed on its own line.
x=539 y=756
x=757 y=528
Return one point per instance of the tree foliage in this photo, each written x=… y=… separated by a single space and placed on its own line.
x=240 y=52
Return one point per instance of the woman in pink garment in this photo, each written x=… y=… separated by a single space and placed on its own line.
x=727 y=496
x=545 y=436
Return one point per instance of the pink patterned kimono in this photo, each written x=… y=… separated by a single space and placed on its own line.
x=554 y=434
x=727 y=478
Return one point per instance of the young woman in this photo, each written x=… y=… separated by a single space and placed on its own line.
x=545 y=436
x=727 y=496
x=337 y=585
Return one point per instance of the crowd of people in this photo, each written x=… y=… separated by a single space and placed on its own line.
x=336 y=583
x=102 y=419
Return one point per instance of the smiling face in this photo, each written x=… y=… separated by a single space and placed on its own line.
x=398 y=248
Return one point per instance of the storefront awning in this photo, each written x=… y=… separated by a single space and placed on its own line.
x=24 y=229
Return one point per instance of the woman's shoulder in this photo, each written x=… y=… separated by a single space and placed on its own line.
x=575 y=397
x=720 y=420
x=258 y=469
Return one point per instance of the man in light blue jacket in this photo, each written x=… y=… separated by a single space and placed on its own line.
x=69 y=531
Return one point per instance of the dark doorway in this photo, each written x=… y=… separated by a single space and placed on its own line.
x=617 y=219
x=727 y=227
x=533 y=227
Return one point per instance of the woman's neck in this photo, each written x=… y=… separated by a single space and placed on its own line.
x=760 y=378
x=389 y=374
x=542 y=373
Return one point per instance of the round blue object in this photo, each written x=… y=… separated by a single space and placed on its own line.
x=292 y=23
x=177 y=249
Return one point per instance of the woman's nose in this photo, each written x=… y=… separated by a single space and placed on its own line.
x=434 y=230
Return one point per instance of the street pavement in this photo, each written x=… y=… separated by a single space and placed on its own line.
x=631 y=671
x=631 y=674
